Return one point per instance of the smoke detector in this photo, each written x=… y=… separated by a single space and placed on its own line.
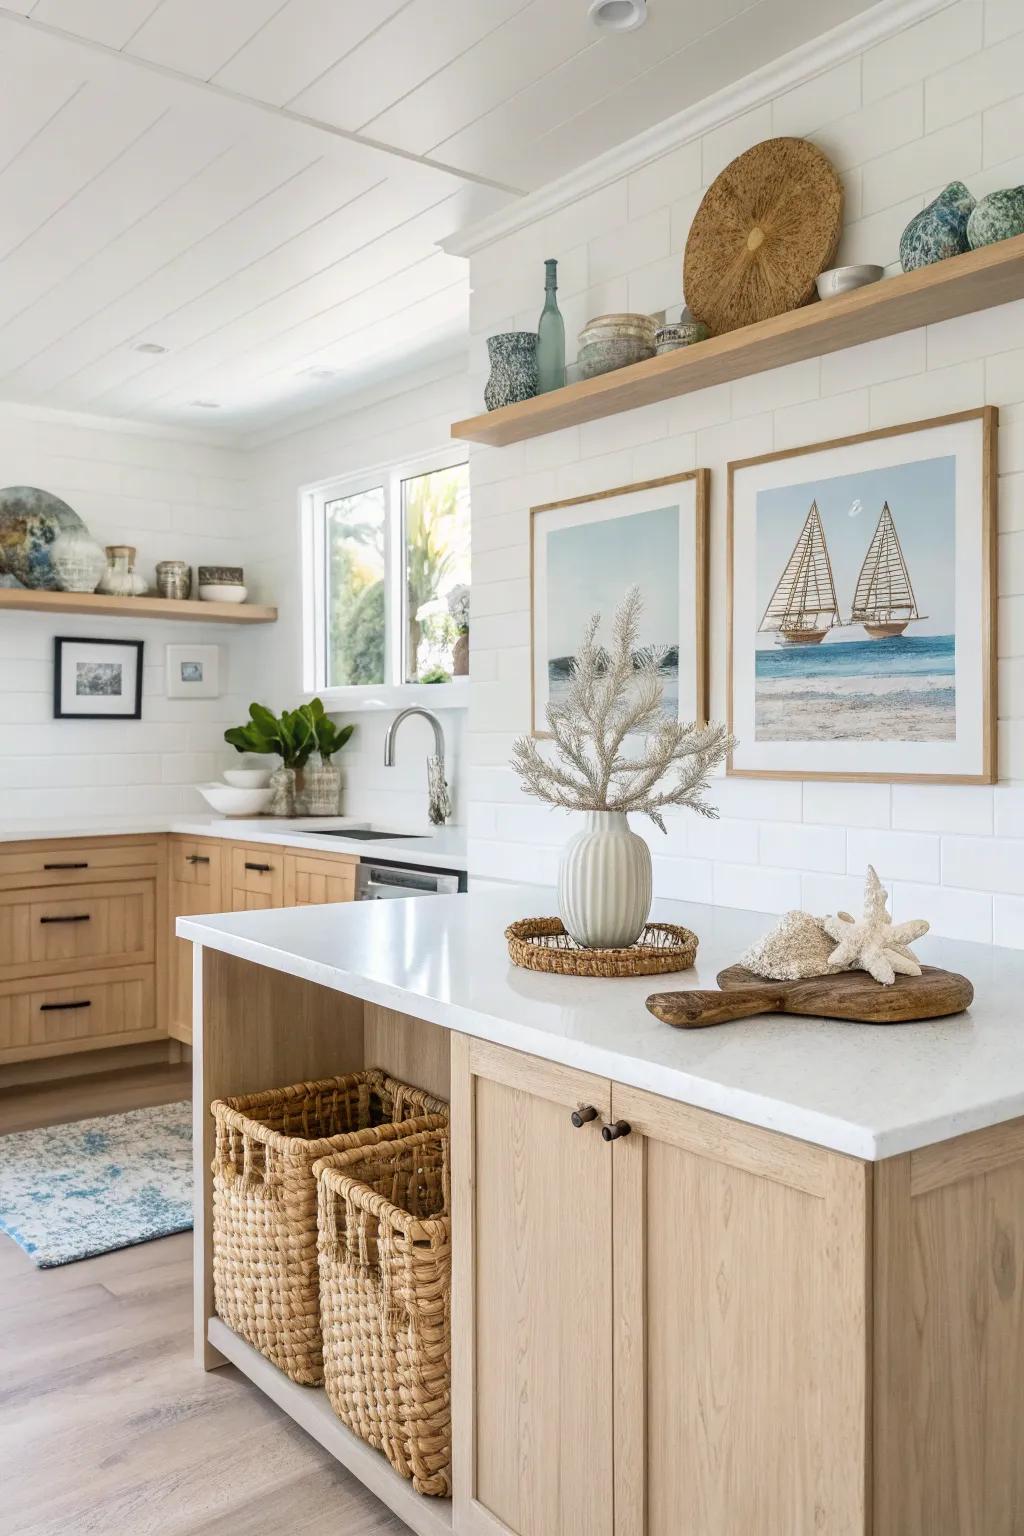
x=617 y=15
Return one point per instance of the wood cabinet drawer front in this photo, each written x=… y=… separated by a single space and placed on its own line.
x=197 y=863
x=257 y=872
x=76 y=1013
x=50 y=931
x=312 y=882
x=67 y=862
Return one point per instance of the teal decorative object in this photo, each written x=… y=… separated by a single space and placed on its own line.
x=550 y=336
x=999 y=216
x=513 y=356
x=31 y=521
x=938 y=231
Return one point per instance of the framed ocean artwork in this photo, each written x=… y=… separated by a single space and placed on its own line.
x=862 y=606
x=586 y=553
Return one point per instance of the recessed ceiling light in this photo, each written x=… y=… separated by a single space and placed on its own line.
x=150 y=346
x=206 y=405
x=617 y=15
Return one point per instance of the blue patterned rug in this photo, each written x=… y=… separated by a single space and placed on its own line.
x=71 y=1191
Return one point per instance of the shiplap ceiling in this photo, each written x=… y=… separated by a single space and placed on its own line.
x=259 y=186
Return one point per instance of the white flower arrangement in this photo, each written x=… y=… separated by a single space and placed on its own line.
x=612 y=696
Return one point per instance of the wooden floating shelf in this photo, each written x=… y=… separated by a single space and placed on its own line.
x=959 y=286
x=82 y=603
x=310 y=1408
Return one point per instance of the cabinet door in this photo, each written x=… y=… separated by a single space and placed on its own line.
x=741 y=1308
x=54 y=1016
x=45 y=931
x=196 y=888
x=311 y=881
x=532 y=1297
x=257 y=878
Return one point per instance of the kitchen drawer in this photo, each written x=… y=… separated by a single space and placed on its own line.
x=197 y=862
x=77 y=861
x=47 y=931
x=81 y=1012
x=312 y=881
x=257 y=878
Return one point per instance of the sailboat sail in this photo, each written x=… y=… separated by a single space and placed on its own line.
x=803 y=605
x=884 y=592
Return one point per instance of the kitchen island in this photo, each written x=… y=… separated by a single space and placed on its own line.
x=786 y=1297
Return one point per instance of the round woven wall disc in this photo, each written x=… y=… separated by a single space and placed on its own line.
x=765 y=229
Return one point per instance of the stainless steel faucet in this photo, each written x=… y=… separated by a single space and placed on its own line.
x=439 y=807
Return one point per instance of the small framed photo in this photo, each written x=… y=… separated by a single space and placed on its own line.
x=587 y=552
x=862 y=606
x=193 y=671
x=97 y=679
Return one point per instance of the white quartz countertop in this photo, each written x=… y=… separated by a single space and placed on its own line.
x=868 y=1090
x=444 y=848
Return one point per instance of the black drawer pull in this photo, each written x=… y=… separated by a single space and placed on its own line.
x=62 y=1007
x=79 y=917
x=615 y=1130
x=66 y=866
x=582 y=1115
x=197 y=858
x=261 y=869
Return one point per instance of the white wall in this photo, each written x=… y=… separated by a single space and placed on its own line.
x=413 y=418
x=940 y=100
x=173 y=499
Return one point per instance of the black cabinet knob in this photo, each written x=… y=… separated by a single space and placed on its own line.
x=617 y=1129
x=583 y=1115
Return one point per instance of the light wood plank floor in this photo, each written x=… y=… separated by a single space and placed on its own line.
x=106 y=1426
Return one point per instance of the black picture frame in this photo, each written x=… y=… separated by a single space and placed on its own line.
x=59 y=642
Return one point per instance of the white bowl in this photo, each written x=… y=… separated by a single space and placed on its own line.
x=247 y=778
x=845 y=279
x=222 y=593
x=231 y=801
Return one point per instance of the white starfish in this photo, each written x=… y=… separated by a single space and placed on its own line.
x=875 y=944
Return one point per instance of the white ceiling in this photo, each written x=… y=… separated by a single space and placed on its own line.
x=260 y=186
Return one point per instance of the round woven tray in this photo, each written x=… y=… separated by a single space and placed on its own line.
x=542 y=944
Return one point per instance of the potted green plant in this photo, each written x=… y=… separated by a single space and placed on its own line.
x=293 y=736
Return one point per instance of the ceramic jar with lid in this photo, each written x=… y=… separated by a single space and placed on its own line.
x=120 y=578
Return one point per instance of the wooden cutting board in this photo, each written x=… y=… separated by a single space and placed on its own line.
x=850 y=995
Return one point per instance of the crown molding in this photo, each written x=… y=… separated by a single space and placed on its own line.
x=783 y=74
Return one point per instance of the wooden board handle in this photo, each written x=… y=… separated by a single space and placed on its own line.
x=695 y=1010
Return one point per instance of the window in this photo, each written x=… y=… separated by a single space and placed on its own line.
x=388 y=558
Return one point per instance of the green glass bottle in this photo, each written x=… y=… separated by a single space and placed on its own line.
x=550 y=336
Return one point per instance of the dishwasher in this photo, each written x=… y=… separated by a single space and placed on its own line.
x=378 y=880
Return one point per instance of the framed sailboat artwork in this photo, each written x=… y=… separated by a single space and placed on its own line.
x=862 y=606
x=586 y=553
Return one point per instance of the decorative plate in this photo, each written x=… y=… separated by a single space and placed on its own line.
x=30 y=522
x=542 y=944
x=764 y=230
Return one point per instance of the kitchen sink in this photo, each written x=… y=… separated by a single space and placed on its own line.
x=363 y=834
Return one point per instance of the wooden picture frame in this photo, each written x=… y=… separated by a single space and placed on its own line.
x=968 y=754
x=100 y=699
x=693 y=572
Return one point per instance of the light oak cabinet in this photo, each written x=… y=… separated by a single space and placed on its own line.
x=312 y=880
x=196 y=887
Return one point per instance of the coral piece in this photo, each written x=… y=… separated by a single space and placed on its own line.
x=874 y=944
x=796 y=947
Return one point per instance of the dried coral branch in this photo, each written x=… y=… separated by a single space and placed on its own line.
x=614 y=696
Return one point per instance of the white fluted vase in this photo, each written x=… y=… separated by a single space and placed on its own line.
x=604 y=882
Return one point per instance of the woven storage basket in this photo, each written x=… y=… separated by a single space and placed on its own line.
x=264 y=1200
x=385 y=1300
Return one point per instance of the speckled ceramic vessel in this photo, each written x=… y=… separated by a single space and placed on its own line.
x=999 y=216
x=938 y=231
x=513 y=356
x=31 y=521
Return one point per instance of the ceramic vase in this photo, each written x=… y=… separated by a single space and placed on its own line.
x=323 y=788
x=938 y=231
x=78 y=560
x=120 y=579
x=999 y=216
x=460 y=654
x=604 y=882
x=282 y=782
x=513 y=357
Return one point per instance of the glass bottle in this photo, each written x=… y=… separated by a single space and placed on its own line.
x=550 y=336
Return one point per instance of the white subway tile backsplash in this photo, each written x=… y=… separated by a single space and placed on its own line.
x=834 y=93
x=755 y=887
x=942 y=808
x=874 y=130
x=895 y=855
x=630 y=246
x=824 y=894
x=683 y=879
x=850 y=805
x=974 y=82
x=769 y=800
x=723 y=144
x=804 y=847
x=1009 y=810
x=875 y=362
x=921 y=50
x=952 y=914
x=1002 y=19
x=820 y=420
x=984 y=863
x=660 y=183
x=1008 y=921
x=778 y=388
x=923 y=163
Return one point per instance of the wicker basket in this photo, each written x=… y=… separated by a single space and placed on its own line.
x=385 y=1300
x=264 y=1200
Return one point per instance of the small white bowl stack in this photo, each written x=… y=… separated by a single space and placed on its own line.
x=245 y=792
